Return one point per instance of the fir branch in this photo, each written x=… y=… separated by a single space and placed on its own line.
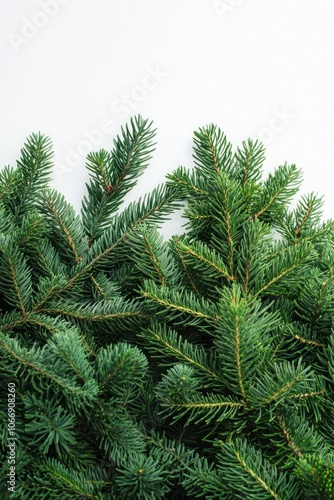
x=312 y=205
x=287 y=435
x=303 y=334
x=46 y=260
x=33 y=172
x=104 y=288
x=119 y=368
x=248 y=162
x=151 y=254
x=252 y=250
x=31 y=231
x=188 y=182
x=143 y=478
x=304 y=220
x=162 y=299
x=330 y=356
x=116 y=433
x=277 y=191
x=181 y=461
x=68 y=347
x=227 y=212
x=152 y=208
x=106 y=310
x=282 y=263
x=54 y=479
x=244 y=352
x=237 y=325
x=165 y=343
x=8 y=178
x=179 y=395
x=286 y=381
x=249 y=475
x=203 y=259
x=175 y=247
x=15 y=274
x=212 y=152
x=50 y=425
x=317 y=474
x=114 y=174
x=43 y=322
x=46 y=289
x=39 y=363
x=65 y=227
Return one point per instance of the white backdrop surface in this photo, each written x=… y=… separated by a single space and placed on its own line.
x=77 y=70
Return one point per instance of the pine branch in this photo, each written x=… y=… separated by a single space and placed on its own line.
x=189 y=183
x=65 y=227
x=277 y=191
x=151 y=254
x=163 y=299
x=15 y=274
x=179 y=394
x=202 y=258
x=242 y=339
x=249 y=475
x=114 y=174
x=212 y=152
x=38 y=365
x=33 y=173
x=165 y=344
x=154 y=207
x=249 y=161
x=285 y=260
x=284 y=382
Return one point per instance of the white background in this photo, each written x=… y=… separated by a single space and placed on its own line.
x=256 y=68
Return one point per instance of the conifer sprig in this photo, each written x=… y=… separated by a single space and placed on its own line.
x=62 y=299
x=199 y=367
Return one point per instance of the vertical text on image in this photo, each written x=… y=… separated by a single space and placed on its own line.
x=11 y=445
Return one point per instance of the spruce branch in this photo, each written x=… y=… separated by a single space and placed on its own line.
x=114 y=174
x=151 y=254
x=277 y=191
x=220 y=383
x=202 y=258
x=249 y=161
x=249 y=475
x=32 y=174
x=179 y=303
x=166 y=344
x=212 y=151
x=65 y=227
x=15 y=274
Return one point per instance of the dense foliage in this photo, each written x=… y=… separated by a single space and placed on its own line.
x=199 y=367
